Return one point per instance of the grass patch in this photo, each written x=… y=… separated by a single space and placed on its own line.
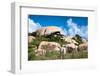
x=56 y=55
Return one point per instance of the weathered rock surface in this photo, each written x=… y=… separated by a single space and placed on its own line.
x=83 y=46
x=48 y=30
x=46 y=46
x=31 y=38
x=69 y=39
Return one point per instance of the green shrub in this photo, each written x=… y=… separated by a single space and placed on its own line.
x=31 y=55
x=49 y=54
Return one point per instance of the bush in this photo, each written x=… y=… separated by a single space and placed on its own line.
x=51 y=54
x=80 y=54
x=31 y=55
x=78 y=39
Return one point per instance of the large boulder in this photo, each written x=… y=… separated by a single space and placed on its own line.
x=46 y=46
x=71 y=47
x=69 y=39
x=48 y=30
x=83 y=46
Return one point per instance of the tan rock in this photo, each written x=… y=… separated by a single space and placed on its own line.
x=83 y=46
x=48 y=46
x=30 y=38
x=69 y=40
x=48 y=30
x=72 y=46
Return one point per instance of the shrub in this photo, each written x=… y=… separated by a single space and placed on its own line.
x=78 y=39
x=31 y=55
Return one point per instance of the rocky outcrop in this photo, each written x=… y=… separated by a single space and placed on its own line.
x=46 y=46
x=70 y=47
x=69 y=39
x=51 y=38
x=83 y=46
x=30 y=39
x=48 y=30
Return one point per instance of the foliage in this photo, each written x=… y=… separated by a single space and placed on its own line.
x=35 y=42
x=31 y=54
x=50 y=38
x=54 y=54
x=33 y=34
x=76 y=55
x=78 y=39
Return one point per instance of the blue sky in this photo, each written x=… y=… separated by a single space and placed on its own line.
x=69 y=24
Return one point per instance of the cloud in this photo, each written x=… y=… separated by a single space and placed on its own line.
x=33 y=26
x=84 y=31
x=75 y=29
x=63 y=31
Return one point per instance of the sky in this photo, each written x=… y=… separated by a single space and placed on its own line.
x=70 y=25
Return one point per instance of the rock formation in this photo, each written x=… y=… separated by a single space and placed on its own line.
x=54 y=35
x=48 y=30
x=83 y=46
x=45 y=46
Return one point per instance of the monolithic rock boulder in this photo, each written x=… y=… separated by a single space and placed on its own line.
x=83 y=46
x=48 y=30
x=46 y=46
x=71 y=47
x=69 y=39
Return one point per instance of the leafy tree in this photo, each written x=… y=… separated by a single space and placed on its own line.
x=33 y=34
x=78 y=39
x=29 y=34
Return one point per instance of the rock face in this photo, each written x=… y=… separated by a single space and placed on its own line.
x=71 y=47
x=83 y=46
x=51 y=38
x=69 y=40
x=48 y=30
x=30 y=38
x=46 y=46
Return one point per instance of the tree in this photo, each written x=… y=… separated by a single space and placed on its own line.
x=33 y=34
x=78 y=39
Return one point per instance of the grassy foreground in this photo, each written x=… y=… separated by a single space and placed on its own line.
x=56 y=55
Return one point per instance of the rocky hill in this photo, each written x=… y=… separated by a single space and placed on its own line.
x=51 y=39
x=47 y=31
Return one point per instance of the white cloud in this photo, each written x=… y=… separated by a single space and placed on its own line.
x=33 y=26
x=75 y=29
x=84 y=31
x=64 y=31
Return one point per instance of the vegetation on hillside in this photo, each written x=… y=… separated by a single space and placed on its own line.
x=54 y=37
